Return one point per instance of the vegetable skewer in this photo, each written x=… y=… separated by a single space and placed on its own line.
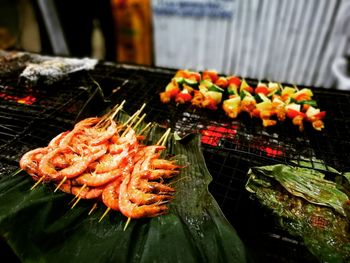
x=271 y=102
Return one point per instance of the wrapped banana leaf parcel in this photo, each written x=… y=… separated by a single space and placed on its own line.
x=307 y=205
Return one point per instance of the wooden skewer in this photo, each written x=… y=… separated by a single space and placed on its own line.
x=145 y=128
x=105 y=123
x=117 y=110
x=60 y=184
x=130 y=118
x=127 y=223
x=75 y=203
x=92 y=208
x=104 y=214
x=37 y=183
x=111 y=114
x=140 y=120
x=77 y=196
x=164 y=137
x=135 y=114
x=17 y=172
x=135 y=126
x=129 y=126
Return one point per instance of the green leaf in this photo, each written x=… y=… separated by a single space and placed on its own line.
x=40 y=226
x=307 y=206
x=305 y=183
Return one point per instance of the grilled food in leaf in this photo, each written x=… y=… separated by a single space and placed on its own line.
x=307 y=206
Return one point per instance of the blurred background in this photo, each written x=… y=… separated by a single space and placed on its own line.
x=296 y=41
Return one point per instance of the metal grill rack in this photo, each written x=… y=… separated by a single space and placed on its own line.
x=229 y=146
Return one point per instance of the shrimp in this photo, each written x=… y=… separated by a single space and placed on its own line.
x=30 y=160
x=163 y=164
x=150 y=174
x=87 y=122
x=118 y=144
x=94 y=179
x=98 y=151
x=106 y=135
x=46 y=167
x=60 y=161
x=162 y=174
x=110 y=194
x=65 y=142
x=110 y=162
x=132 y=210
x=56 y=141
x=155 y=187
x=79 y=128
x=79 y=166
x=139 y=178
x=115 y=148
x=140 y=197
x=147 y=150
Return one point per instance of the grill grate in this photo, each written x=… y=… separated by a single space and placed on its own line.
x=230 y=147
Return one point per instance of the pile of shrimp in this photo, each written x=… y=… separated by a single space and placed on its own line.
x=101 y=159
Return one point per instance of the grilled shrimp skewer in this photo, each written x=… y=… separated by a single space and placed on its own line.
x=104 y=160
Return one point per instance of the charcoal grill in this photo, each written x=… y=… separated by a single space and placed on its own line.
x=230 y=147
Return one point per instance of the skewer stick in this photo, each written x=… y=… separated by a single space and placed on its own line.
x=79 y=192
x=145 y=128
x=17 y=172
x=130 y=125
x=111 y=114
x=37 y=183
x=60 y=184
x=131 y=118
x=106 y=115
x=140 y=120
x=92 y=208
x=75 y=203
x=135 y=114
x=104 y=214
x=164 y=137
x=127 y=223
x=135 y=126
x=142 y=107
x=117 y=110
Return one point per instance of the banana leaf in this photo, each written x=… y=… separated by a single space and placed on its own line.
x=40 y=226
x=307 y=206
x=343 y=183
